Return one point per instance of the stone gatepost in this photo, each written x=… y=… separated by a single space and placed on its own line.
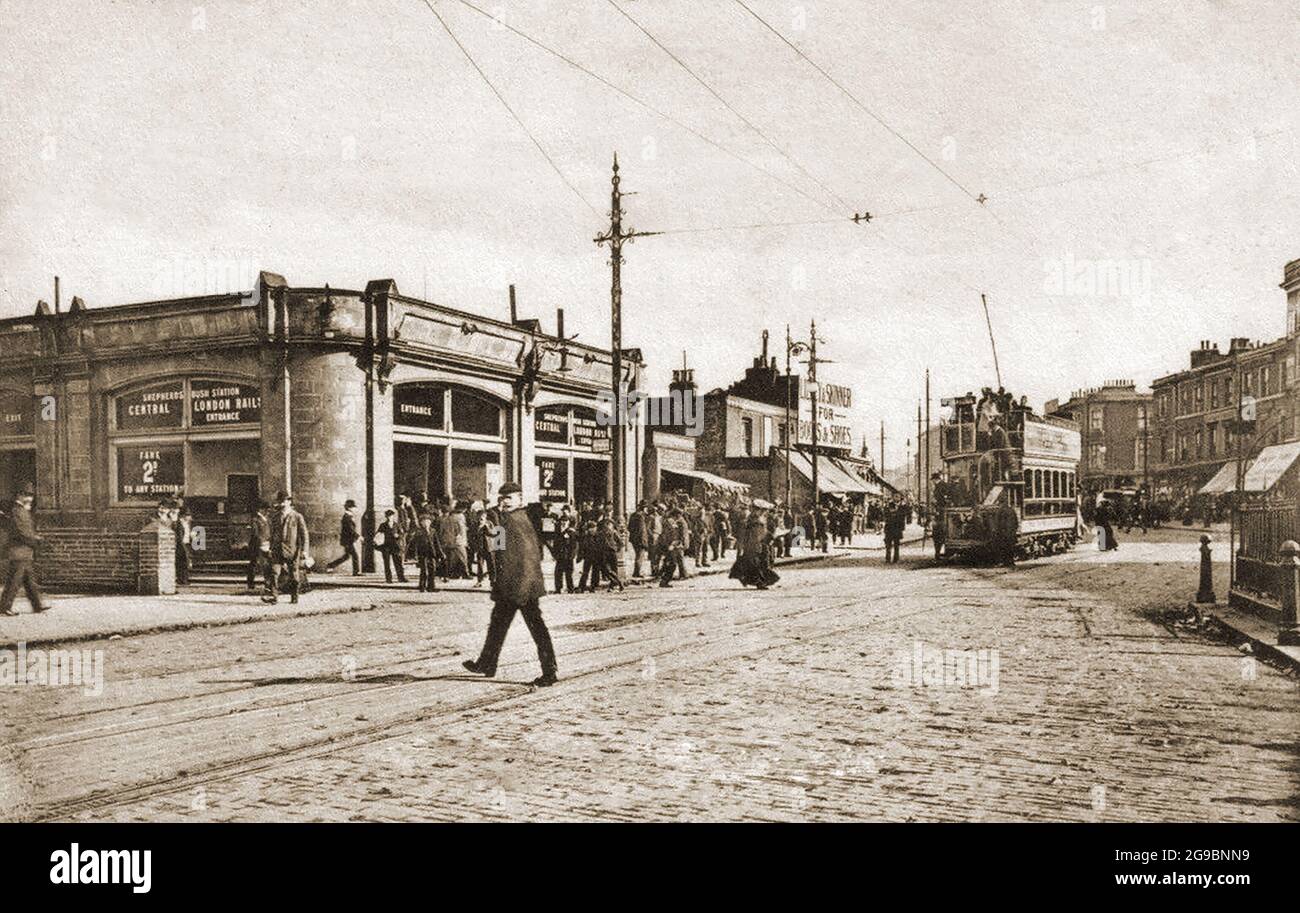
x=156 y=573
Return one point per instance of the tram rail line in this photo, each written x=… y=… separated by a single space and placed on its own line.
x=401 y=723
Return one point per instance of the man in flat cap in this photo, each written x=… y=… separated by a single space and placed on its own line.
x=517 y=587
x=21 y=554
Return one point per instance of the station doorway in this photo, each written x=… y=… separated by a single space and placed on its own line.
x=590 y=480
x=17 y=468
x=419 y=467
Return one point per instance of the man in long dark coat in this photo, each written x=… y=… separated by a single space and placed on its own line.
x=517 y=588
x=21 y=554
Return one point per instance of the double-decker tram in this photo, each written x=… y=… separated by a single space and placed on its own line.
x=999 y=454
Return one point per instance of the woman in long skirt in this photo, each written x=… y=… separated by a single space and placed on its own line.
x=753 y=565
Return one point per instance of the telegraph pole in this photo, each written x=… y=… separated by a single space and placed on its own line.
x=812 y=391
x=615 y=238
x=927 y=448
x=918 y=454
x=882 y=450
x=788 y=430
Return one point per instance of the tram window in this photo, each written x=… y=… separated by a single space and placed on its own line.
x=1038 y=483
x=1056 y=484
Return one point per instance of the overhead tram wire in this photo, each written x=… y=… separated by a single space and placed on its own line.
x=726 y=104
x=505 y=104
x=640 y=101
x=980 y=199
x=857 y=101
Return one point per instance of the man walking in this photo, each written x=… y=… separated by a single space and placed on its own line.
x=349 y=538
x=674 y=547
x=637 y=535
x=21 y=554
x=392 y=544
x=454 y=538
x=516 y=588
x=938 y=526
x=895 y=518
x=288 y=548
x=259 y=544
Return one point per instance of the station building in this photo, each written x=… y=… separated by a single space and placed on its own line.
x=328 y=393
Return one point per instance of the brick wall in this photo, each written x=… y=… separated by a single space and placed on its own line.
x=81 y=559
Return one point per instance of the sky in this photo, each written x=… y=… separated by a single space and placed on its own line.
x=1137 y=160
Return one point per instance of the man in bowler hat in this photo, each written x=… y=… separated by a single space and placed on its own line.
x=517 y=587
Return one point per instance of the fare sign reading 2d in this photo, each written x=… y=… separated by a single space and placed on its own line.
x=147 y=472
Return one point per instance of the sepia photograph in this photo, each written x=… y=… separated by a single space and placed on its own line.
x=372 y=370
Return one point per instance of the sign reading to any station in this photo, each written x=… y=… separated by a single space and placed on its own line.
x=551 y=425
x=147 y=472
x=834 y=425
x=159 y=406
x=1042 y=439
x=419 y=406
x=215 y=402
x=552 y=479
x=17 y=414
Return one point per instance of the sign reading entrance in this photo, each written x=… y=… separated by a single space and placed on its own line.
x=223 y=403
x=419 y=406
x=147 y=472
x=159 y=406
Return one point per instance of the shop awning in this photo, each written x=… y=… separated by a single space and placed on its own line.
x=830 y=477
x=1224 y=481
x=709 y=479
x=1271 y=464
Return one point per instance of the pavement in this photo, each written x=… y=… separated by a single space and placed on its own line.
x=1067 y=689
x=217 y=601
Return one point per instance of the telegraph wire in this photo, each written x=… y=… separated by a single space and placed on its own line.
x=874 y=116
x=640 y=101
x=726 y=104
x=505 y=104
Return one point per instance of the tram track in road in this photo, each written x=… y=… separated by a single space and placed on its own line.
x=406 y=717
x=421 y=653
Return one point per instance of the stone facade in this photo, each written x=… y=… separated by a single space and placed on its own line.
x=318 y=369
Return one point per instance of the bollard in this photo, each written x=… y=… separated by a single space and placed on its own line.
x=1289 y=634
x=1206 y=591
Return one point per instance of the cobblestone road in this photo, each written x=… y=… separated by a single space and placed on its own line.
x=852 y=691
